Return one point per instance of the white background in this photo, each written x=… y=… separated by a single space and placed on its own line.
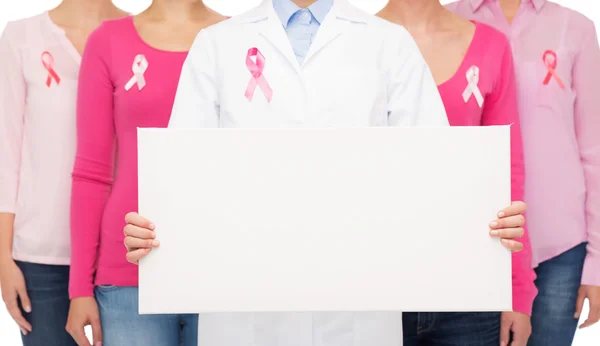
x=15 y=9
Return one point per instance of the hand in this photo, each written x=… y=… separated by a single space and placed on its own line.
x=139 y=237
x=510 y=225
x=84 y=312
x=13 y=289
x=592 y=293
x=519 y=324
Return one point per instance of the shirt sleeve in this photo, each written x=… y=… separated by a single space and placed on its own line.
x=586 y=73
x=13 y=92
x=197 y=98
x=413 y=96
x=501 y=108
x=93 y=169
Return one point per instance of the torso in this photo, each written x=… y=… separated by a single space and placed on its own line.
x=445 y=51
x=169 y=35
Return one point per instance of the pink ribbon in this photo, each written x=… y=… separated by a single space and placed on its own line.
x=550 y=62
x=256 y=69
x=48 y=62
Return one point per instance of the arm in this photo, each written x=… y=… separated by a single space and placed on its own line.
x=501 y=108
x=586 y=73
x=13 y=92
x=197 y=89
x=93 y=169
x=413 y=97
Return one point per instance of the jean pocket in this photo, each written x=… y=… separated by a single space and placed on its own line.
x=106 y=288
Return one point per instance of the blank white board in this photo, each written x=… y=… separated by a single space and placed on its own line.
x=358 y=219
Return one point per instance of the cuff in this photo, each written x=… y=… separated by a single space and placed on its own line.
x=81 y=290
x=591 y=270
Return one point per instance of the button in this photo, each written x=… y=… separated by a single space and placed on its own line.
x=305 y=15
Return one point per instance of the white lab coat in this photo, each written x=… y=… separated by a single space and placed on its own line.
x=359 y=71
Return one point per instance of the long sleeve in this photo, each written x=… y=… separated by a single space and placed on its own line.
x=93 y=169
x=501 y=108
x=13 y=91
x=197 y=99
x=413 y=97
x=586 y=73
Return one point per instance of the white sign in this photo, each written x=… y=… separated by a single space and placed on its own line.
x=362 y=219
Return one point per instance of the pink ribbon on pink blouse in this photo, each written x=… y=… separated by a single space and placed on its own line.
x=550 y=61
x=48 y=62
x=256 y=70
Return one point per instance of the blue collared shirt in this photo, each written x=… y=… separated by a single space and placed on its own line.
x=301 y=24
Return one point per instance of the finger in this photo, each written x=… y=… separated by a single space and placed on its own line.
x=519 y=339
x=136 y=255
x=512 y=245
x=508 y=233
x=137 y=220
x=592 y=319
x=96 y=332
x=508 y=222
x=15 y=313
x=132 y=243
x=25 y=302
x=80 y=338
x=505 y=331
x=579 y=304
x=138 y=232
x=514 y=209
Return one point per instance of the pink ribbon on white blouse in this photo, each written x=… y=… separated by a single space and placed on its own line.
x=140 y=64
x=472 y=86
x=48 y=62
x=256 y=70
x=550 y=61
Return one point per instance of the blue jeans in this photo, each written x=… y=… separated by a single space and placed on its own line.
x=123 y=326
x=558 y=281
x=451 y=328
x=47 y=287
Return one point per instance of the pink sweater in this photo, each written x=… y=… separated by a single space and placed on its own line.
x=112 y=103
x=490 y=54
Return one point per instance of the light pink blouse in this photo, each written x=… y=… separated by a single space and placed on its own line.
x=38 y=89
x=557 y=62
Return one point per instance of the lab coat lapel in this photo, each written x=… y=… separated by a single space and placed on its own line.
x=272 y=30
x=334 y=25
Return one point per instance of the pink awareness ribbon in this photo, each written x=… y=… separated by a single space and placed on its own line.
x=48 y=62
x=550 y=61
x=139 y=67
x=472 y=88
x=256 y=70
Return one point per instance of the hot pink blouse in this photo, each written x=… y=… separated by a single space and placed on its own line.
x=483 y=92
x=558 y=67
x=123 y=84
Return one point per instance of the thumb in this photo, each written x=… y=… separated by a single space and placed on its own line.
x=505 y=325
x=24 y=298
x=96 y=332
x=579 y=304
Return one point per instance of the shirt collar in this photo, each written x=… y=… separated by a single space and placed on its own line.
x=286 y=8
x=537 y=4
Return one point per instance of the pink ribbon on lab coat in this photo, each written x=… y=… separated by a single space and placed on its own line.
x=256 y=70
x=550 y=61
x=48 y=62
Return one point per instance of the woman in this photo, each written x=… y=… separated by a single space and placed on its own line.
x=39 y=62
x=473 y=67
x=129 y=75
x=557 y=61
